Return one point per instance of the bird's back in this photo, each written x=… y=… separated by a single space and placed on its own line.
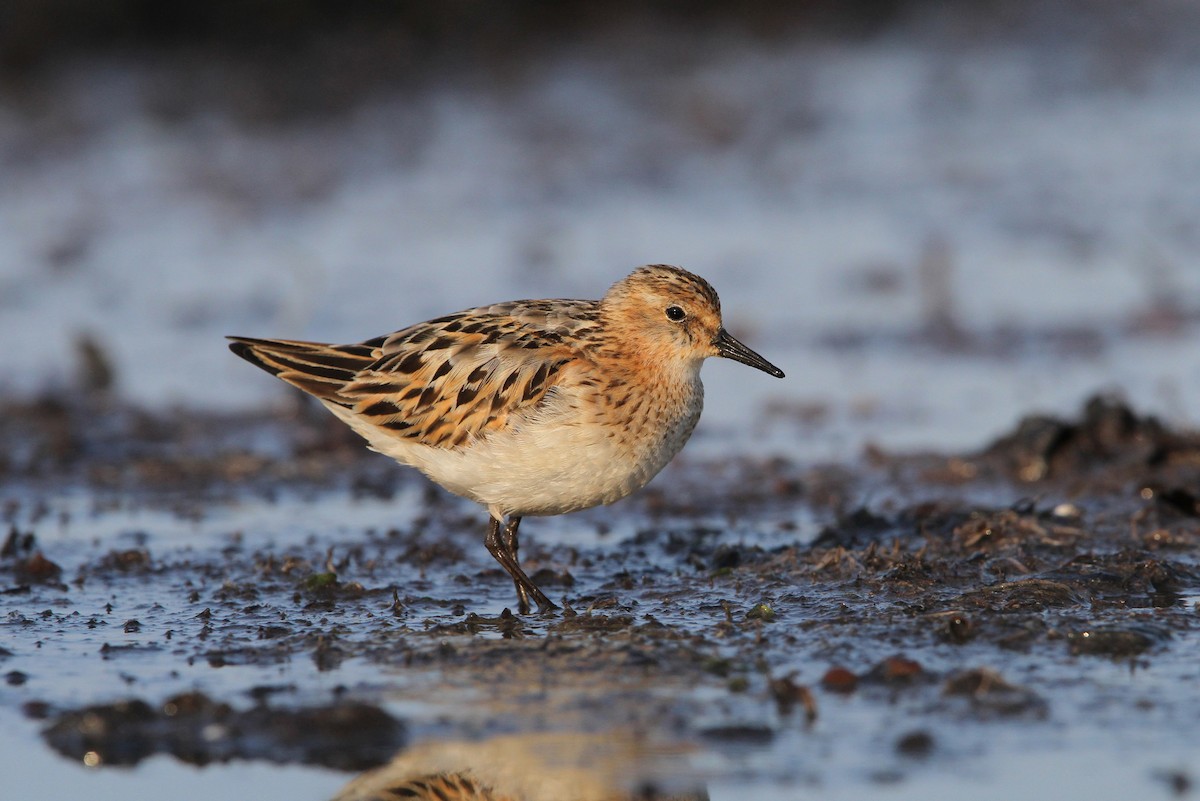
x=440 y=383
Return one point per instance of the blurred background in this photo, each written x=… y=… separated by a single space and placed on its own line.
x=934 y=217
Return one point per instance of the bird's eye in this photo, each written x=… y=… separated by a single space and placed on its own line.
x=675 y=314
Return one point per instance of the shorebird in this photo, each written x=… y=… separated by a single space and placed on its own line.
x=531 y=407
x=547 y=766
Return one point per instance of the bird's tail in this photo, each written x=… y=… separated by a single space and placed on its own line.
x=319 y=369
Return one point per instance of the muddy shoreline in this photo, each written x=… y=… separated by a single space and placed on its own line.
x=729 y=605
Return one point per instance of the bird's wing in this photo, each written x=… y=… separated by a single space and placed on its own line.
x=319 y=369
x=444 y=382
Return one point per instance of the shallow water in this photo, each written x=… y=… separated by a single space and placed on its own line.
x=932 y=231
x=661 y=640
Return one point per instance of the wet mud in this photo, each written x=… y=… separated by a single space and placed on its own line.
x=195 y=729
x=728 y=606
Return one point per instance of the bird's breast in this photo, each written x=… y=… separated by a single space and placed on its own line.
x=576 y=452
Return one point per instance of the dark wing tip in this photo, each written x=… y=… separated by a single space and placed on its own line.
x=244 y=347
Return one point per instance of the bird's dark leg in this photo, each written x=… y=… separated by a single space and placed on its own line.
x=499 y=547
x=513 y=546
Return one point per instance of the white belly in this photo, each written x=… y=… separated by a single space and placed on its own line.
x=544 y=466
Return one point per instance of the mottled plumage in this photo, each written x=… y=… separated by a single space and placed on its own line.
x=547 y=766
x=533 y=407
x=461 y=787
x=438 y=787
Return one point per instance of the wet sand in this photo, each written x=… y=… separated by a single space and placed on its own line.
x=753 y=613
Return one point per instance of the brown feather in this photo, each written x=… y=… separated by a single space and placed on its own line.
x=442 y=383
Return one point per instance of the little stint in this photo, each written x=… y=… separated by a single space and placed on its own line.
x=532 y=407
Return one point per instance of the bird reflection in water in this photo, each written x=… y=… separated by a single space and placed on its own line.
x=541 y=767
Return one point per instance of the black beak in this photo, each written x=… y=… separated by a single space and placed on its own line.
x=730 y=348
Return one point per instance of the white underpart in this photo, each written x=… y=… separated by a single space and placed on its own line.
x=546 y=463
